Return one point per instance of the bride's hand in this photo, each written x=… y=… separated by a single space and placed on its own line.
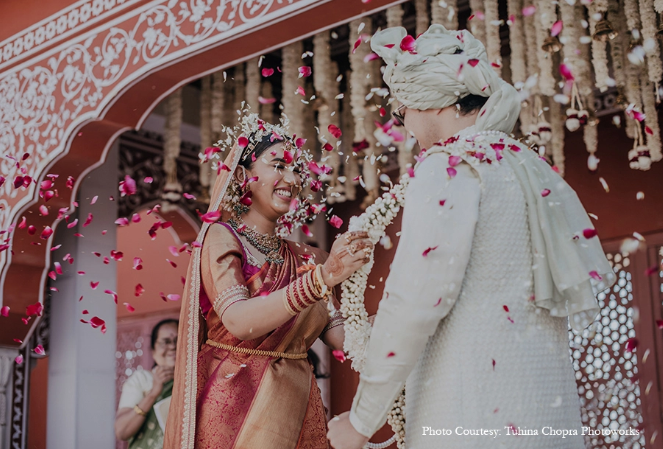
x=349 y=252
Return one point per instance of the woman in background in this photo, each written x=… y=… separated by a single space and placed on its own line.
x=136 y=419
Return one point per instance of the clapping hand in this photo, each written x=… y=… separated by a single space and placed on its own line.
x=349 y=252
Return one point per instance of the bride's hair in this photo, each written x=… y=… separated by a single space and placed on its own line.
x=259 y=148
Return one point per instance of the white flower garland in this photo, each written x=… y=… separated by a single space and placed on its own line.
x=477 y=24
x=616 y=44
x=324 y=70
x=651 y=121
x=493 y=42
x=650 y=42
x=267 y=109
x=445 y=12
x=632 y=13
x=290 y=99
x=557 y=128
x=253 y=79
x=658 y=6
x=597 y=10
x=421 y=16
x=545 y=17
x=350 y=163
x=171 y=149
x=206 y=141
x=517 y=42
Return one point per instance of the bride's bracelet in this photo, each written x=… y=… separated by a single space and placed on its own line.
x=304 y=291
x=335 y=320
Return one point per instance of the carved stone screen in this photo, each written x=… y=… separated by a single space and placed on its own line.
x=606 y=371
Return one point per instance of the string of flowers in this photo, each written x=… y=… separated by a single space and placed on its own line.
x=658 y=6
x=517 y=42
x=557 y=131
x=350 y=163
x=253 y=83
x=650 y=43
x=291 y=99
x=529 y=33
x=476 y=21
x=326 y=91
x=597 y=9
x=444 y=13
x=545 y=17
x=493 y=43
x=421 y=16
x=205 y=134
x=632 y=13
x=266 y=106
x=652 y=129
x=395 y=19
x=172 y=191
x=357 y=329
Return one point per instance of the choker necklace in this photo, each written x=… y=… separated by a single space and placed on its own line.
x=269 y=245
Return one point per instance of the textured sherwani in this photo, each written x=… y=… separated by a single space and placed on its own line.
x=458 y=323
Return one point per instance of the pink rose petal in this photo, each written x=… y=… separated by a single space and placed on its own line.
x=129 y=307
x=545 y=192
x=300 y=90
x=334 y=131
x=529 y=10
x=128 y=186
x=428 y=250
x=242 y=142
x=211 y=217
x=39 y=350
x=631 y=344
x=408 y=43
x=556 y=28
x=391 y=354
x=266 y=72
x=595 y=275
x=451 y=172
x=565 y=71
x=589 y=233
x=4 y=311
x=19 y=359
x=263 y=100
x=454 y=160
x=473 y=62
x=336 y=221
x=304 y=71
x=46 y=233
x=139 y=290
x=339 y=355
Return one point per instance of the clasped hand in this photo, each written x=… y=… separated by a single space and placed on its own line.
x=349 y=252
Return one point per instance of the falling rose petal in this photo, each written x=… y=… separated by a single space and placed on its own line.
x=39 y=349
x=556 y=28
x=58 y=267
x=299 y=142
x=173 y=264
x=339 y=355
x=52 y=275
x=85 y=312
x=473 y=62
x=46 y=233
x=19 y=359
x=94 y=200
x=651 y=270
x=529 y=10
x=300 y=90
x=4 y=311
x=139 y=290
x=391 y=354
x=95 y=322
x=545 y=192
x=493 y=364
x=334 y=131
x=356 y=45
x=428 y=250
x=649 y=131
x=72 y=224
x=659 y=324
x=631 y=344
x=242 y=142
x=174 y=251
x=451 y=172
x=43 y=210
x=246 y=198
x=88 y=220
x=128 y=186
x=23 y=223
x=135 y=218
x=148 y=180
x=442 y=202
x=304 y=71
x=129 y=307
x=439 y=301
x=565 y=71
x=173 y=297
x=371 y=57
x=263 y=100
x=94 y=285
x=328 y=147
x=595 y=275
x=78 y=234
x=408 y=43
x=336 y=221
x=112 y=293
x=138 y=263
x=211 y=217
x=267 y=72
x=117 y=255
x=122 y=221
x=589 y=233
x=307 y=231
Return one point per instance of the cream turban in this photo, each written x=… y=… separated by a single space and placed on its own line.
x=432 y=76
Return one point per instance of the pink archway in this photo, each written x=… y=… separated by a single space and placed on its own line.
x=64 y=105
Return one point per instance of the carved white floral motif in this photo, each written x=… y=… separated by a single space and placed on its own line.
x=45 y=99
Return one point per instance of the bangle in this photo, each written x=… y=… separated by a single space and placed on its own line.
x=287 y=301
x=322 y=287
x=139 y=411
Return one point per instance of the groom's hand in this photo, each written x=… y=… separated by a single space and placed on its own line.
x=342 y=434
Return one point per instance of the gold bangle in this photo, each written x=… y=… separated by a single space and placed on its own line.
x=287 y=303
x=139 y=411
x=323 y=288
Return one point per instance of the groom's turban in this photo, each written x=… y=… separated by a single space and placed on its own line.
x=442 y=67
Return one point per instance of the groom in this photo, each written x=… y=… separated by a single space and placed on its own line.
x=491 y=267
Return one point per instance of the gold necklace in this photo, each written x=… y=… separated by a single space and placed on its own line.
x=269 y=245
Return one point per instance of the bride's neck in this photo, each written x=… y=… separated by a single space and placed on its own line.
x=258 y=222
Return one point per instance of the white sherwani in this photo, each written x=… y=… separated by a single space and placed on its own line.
x=457 y=322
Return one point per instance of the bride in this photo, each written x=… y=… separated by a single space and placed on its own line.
x=254 y=303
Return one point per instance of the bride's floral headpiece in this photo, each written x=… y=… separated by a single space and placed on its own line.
x=247 y=134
